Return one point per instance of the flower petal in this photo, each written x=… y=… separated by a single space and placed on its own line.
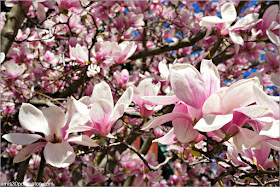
x=245 y=21
x=211 y=77
x=273 y=37
x=269 y=16
x=183 y=129
x=31 y=118
x=167 y=139
x=271 y=129
x=82 y=140
x=212 y=122
x=263 y=99
x=212 y=105
x=239 y=94
x=59 y=155
x=56 y=119
x=188 y=85
x=21 y=139
x=28 y=151
x=210 y=21
x=161 y=100
x=100 y=111
x=236 y=38
x=122 y=104
x=102 y=91
x=228 y=13
x=163 y=119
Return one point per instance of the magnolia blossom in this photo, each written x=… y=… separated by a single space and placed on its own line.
x=107 y=53
x=229 y=15
x=145 y=88
x=12 y=69
x=98 y=112
x=121 y=78
x=53 y=123
x=79 y=53
x=270 y=23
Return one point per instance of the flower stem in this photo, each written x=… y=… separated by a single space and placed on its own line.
x=41 y=168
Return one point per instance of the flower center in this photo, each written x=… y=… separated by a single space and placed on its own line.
x=56 y=139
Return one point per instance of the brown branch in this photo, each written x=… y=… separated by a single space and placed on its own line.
x=13 y=23
x=186 y=42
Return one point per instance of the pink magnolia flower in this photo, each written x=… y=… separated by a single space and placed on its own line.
x=53 y=123
x=269 y=24
x=121 y=78
x=229 y=15
x=146 y=88
x=98 y=111
x=12 y=69
x=79 y=53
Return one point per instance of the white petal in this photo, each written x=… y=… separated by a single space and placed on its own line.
x=167 y=139
x=56 y=119
x=210 y=21
x=28 y=151
x=273 y=37
x=236 y=38
x=122 y=104
x=212 y=122
x=31 y=118
x=163 y=119
x=228 y=13
x=161 y=100
x=59 y=155
x=245 y=21
x=82 y=140
x=271 y=130
x=211 y=77
x=21 y=139
x=102 y=91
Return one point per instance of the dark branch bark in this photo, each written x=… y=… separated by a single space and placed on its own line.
x=174 y=46
x=13 y=23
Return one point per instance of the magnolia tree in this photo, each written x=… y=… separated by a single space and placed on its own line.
x=83 y=81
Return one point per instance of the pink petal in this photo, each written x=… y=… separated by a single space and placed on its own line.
x=212 y=122
x=82 y=140
x=212 y=105
x=122 y=104
x=167 y=139
x=100 y=112
x=161 y=100
x=102 y=91
x=59 y=155
x=56 y=119
x=239 y=94
x=228 y=13
x=28 y=151
x=188 y=85
x=211 y=77
x=269 y=16
x=31 y=118
x=263 y=99
x=183 y=129
x=21 y=139
x=273 y=37
x=163 y=119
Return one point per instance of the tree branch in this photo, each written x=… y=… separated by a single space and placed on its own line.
x=13 y=23
x=186 y=42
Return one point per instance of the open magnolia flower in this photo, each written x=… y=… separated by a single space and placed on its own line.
x=223 y=24
x=53 y=123
x=98 y=113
